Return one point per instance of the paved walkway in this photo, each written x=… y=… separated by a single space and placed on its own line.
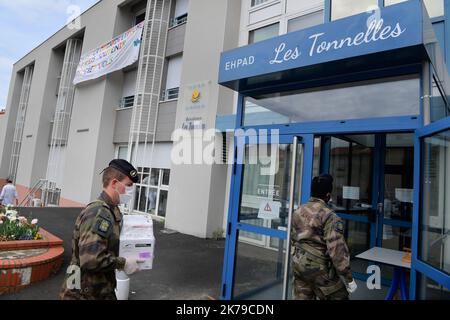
x=185 y=267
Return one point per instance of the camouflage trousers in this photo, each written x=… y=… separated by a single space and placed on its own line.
x=315 y=279
x=321 y=289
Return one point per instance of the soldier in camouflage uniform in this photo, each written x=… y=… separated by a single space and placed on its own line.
x=320 y=256
x=95 y=243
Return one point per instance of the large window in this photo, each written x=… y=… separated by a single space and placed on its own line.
x=306 y=21
x=264 y=33
x=152 y=191
x=344 y=8
x=386 y=97
x=434 y=238
x=435 y=8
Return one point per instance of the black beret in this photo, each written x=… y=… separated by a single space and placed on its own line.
x=126 y=168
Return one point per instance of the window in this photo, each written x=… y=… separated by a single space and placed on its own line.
x=180 y=14
x=305 y=21
x=435 y=8
x=174 y=69
x=139 y=18
x=152 y=192
x=385 y=97
x=128 y=89
x=438 y=104
x=264 y=33
x=345 y=8
x=122 y=152
x=258 y=2
x=434 y=237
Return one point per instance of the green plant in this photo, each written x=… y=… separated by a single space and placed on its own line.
x=14 y=227
x=219 y=234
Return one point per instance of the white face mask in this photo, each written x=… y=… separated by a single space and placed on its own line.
x=127 y=196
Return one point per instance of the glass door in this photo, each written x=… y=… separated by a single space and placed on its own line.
x=353 y=160
x=431 y=225
x=373 y=188
x=267 y=186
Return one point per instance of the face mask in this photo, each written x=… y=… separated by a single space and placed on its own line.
x=127 y=196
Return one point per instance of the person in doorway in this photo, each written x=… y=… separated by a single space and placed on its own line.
x=320 y=255
x=9 y=196
x=95 y=242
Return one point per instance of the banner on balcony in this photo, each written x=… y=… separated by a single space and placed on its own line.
x=115 y=55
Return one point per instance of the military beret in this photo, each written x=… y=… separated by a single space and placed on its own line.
x=126 y=168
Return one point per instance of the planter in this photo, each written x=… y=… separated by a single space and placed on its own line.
x=23 y=263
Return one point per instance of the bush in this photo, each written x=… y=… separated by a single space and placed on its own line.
x=219 y=234
x=14 y=227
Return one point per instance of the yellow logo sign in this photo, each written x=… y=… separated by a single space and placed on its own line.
x=196 y=95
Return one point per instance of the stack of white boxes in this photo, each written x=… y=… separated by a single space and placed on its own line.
x=137 y=240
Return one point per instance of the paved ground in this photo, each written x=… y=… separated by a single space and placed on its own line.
x=185 y=267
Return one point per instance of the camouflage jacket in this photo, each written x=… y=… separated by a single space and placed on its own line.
x=317 y=230
x=95 y=250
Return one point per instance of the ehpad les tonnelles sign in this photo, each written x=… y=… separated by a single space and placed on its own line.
x=396 y=27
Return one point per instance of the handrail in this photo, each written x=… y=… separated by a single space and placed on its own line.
x=33 y=190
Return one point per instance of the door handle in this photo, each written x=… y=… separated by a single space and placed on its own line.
x=380 y=208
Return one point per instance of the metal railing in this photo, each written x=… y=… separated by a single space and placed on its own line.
x=170 y=94
x=126 y=102
x=31 y=195
x=45 y=192
x=178 y=20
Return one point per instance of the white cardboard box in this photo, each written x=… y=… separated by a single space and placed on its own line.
x=140 y=249
x=137 y=240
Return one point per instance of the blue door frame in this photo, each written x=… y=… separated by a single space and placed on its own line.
x=419 y=266
x=307 y=131
x=234 y=226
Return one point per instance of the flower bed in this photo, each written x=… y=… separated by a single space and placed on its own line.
x=14 y=227
x=23 y=261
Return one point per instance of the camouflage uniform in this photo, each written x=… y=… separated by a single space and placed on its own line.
x=320 y=256
x=95 y=249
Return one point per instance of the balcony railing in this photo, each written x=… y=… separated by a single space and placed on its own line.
x=126 y=102
x=178 y=20
x=170 y=94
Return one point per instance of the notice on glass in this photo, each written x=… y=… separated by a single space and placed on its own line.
x=351 y=193
x=269 y=210
x=404 y=195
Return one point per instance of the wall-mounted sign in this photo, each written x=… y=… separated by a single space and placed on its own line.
x=269 y=210
x=194 y=109
x=115 y=55
x=350 y=37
